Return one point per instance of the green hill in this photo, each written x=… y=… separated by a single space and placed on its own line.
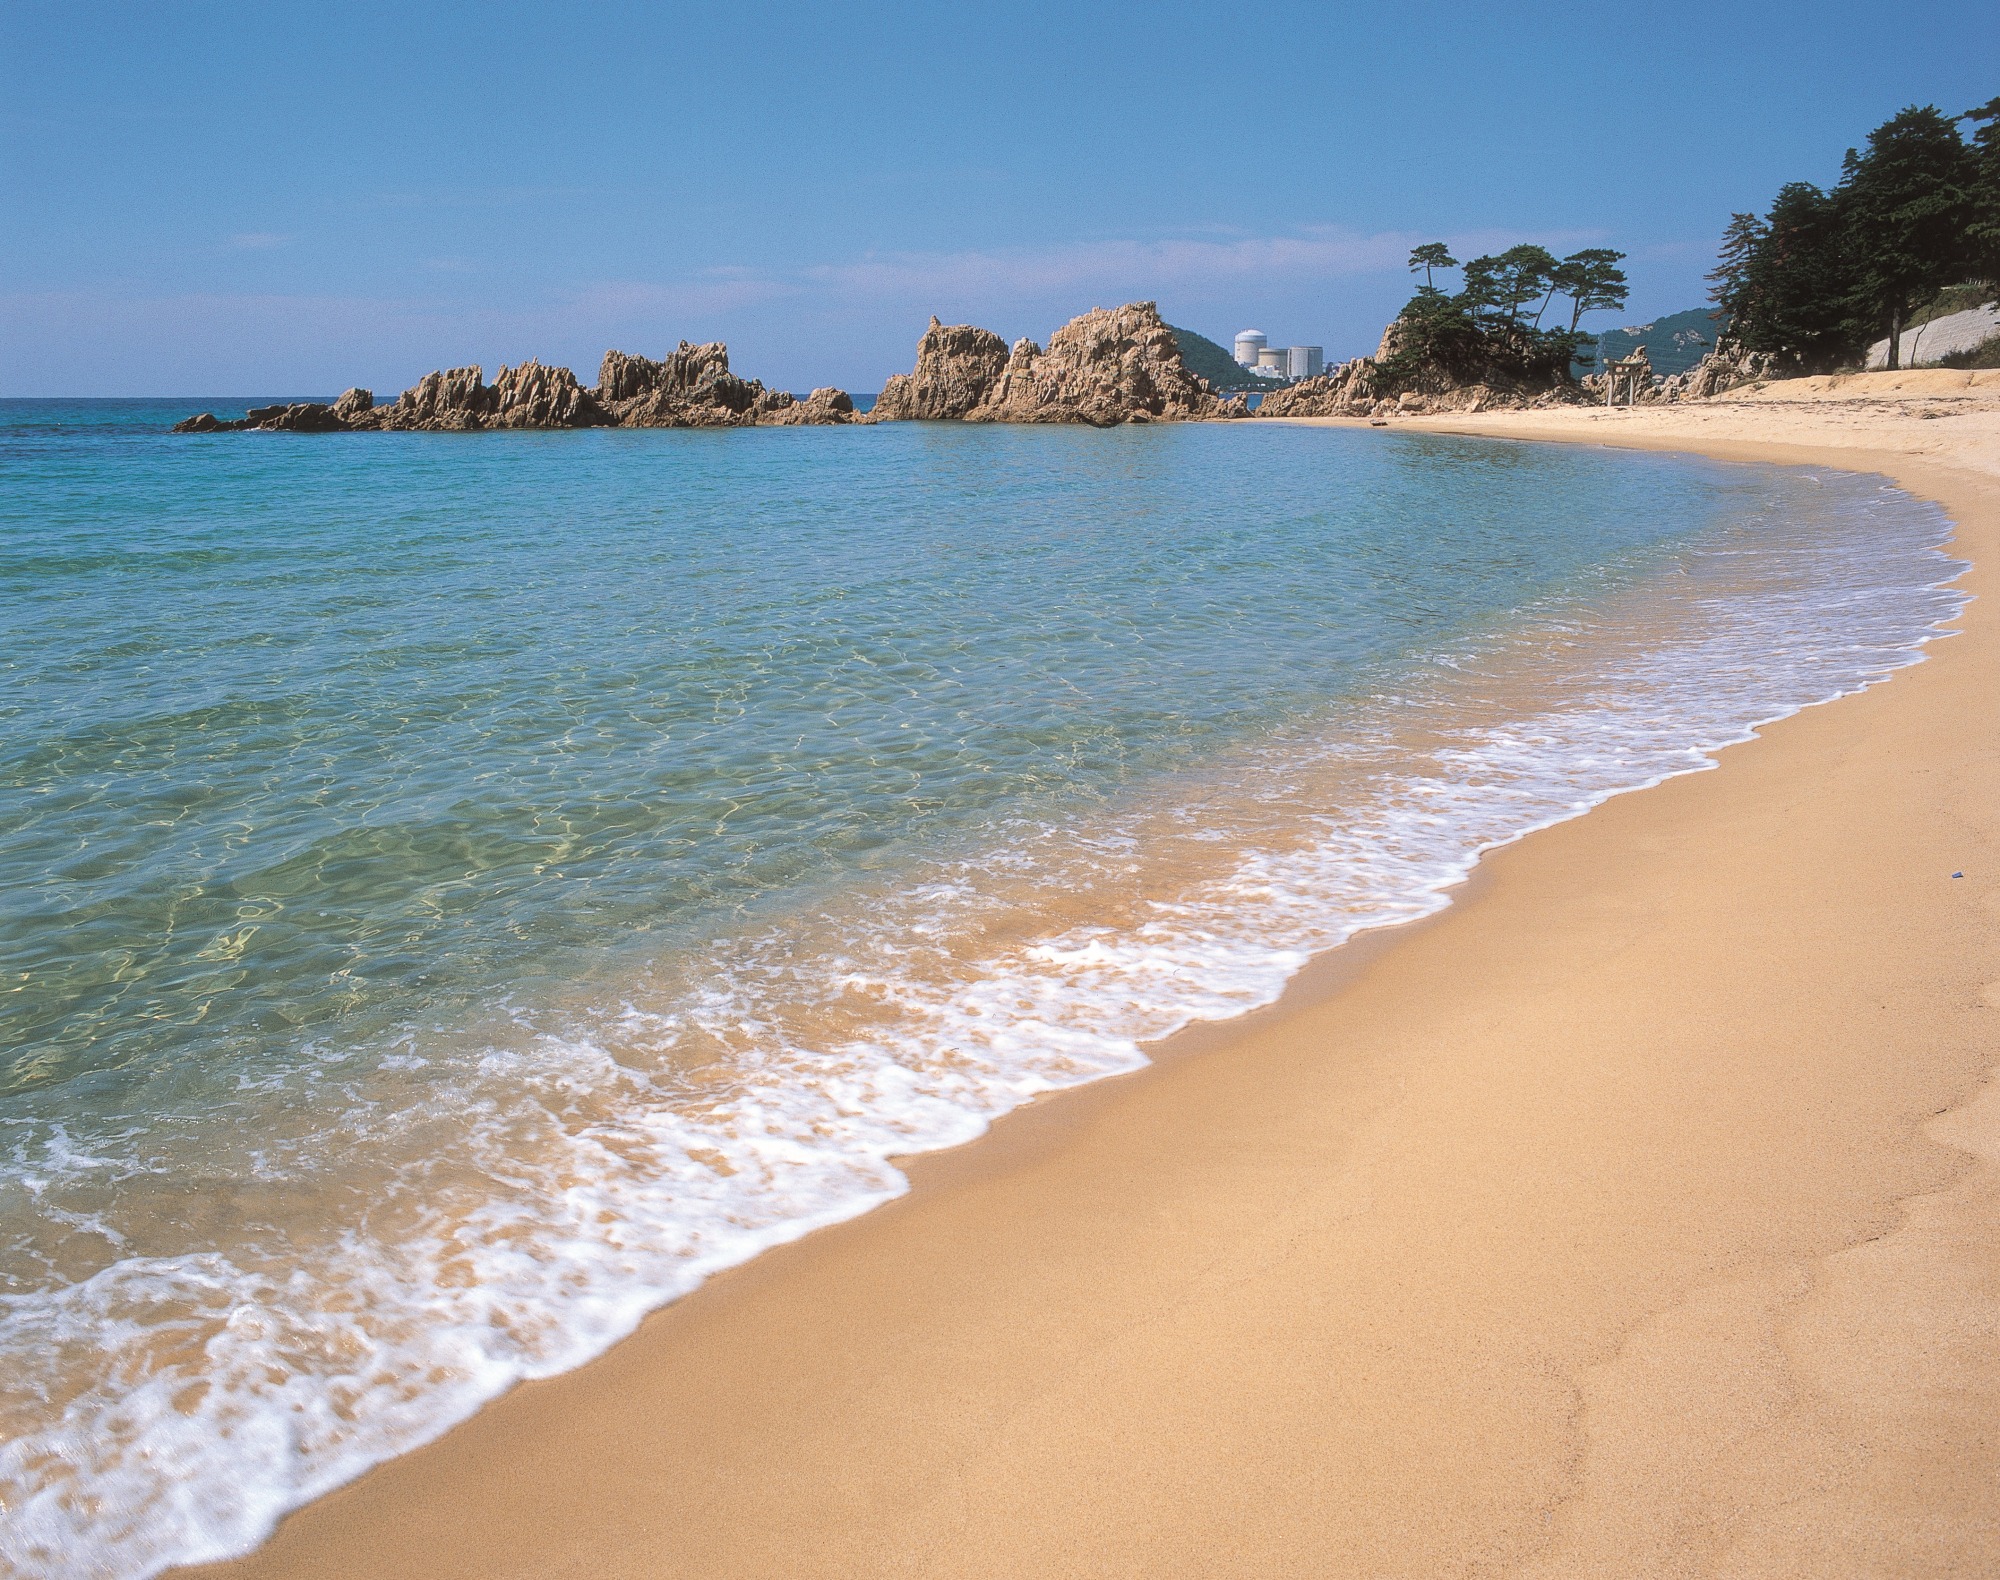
x=1673 y=344
x=1212 y=363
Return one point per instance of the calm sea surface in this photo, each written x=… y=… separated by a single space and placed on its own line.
x=456 y=892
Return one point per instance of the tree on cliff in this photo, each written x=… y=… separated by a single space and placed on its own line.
x=1592 y=280
x=1431 y=255
x=1497 y=288
x=1909 y=205
x=1481 y=334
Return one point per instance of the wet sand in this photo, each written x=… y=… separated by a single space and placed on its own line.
x=1639 y=1215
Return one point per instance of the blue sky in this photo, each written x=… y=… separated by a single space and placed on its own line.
x=213 y=199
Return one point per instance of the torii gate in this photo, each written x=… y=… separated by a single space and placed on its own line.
x=1634 y=372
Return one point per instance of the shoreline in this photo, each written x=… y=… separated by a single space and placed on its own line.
x=800 y=1462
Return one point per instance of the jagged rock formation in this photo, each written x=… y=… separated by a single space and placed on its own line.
x=458 y=400
x=957 y=366
x=691 y=388
x=1395 y=383
x=1360 y=389
x=1363 y=388
x=1721 y=371
x=1716 y=374
x=1349 y=390
x=1107 y=367
x=299 y=417
x=353 y=403
x=823 y=407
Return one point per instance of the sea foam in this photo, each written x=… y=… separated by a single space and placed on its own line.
x=535 y=1190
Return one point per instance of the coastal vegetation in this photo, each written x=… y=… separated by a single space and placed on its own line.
x=1492 y=331
x=1822 y=273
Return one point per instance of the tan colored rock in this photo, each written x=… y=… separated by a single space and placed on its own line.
x=1721 y=371
x=1109 y=366
x=1349 y=390
x=449 y=400
x=957 y=365
x=690 y=388
x=694 y=377
x=1112 y=365
x=693 y=387
x=535 y=396
x=298 y=417
x=823 y=407
x=532 y=395
x=454 y=400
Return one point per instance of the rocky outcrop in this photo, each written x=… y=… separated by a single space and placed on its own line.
x=1110 y=366
x=297 y=417
x=1716 y=374
x=823 y=407
x=1722 y=370
x=459 y=400
x=1361 y=389
x=689 y=388
x=957 y=367
x=1349 y=390
x=456 y=400
x=693 y=388
x=1386 y=385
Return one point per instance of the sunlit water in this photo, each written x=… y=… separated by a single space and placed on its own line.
x=456 y=892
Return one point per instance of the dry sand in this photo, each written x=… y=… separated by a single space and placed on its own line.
x=1640 y=1215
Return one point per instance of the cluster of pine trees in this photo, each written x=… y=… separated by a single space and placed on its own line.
x=1824 y=274
x=1484 y=333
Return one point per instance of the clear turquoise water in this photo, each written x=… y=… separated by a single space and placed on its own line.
x=457 y=891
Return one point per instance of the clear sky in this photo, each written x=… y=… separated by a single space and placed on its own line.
x=281 y=199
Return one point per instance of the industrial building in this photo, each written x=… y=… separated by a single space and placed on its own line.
x=1259 y=356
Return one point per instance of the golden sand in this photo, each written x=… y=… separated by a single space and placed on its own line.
x=1638 y=1216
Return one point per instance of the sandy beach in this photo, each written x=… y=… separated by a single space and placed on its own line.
x=1638 y=1215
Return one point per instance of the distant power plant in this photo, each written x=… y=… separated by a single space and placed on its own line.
x=1267 y=361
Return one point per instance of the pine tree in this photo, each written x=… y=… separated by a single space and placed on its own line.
x=1729 y=282
x=1431 y=255
x=1908 y=207
x=1985 y=261
x=1803 y=283
x=1592 y=281
x=1523 y=274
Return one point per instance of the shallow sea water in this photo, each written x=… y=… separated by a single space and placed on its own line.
x=457 y=892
